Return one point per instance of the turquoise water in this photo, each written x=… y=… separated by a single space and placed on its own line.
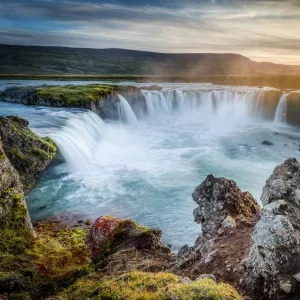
x=148 y=170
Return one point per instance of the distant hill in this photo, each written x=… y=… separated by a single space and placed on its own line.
x=62 y=60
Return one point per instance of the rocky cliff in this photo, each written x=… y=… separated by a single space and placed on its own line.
x=273 y=264
x=227 y=217
x=16 y=231
x=28 y=153
x=101 y=99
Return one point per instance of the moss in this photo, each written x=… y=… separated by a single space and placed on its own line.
x=2 y=156
x=59 y=251
x=19 y=296
x=40 y=152
x=78 y=95
x=141 y=285
x=15 y=236
x=16 y=152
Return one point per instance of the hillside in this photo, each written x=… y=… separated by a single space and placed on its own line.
x=61 y=60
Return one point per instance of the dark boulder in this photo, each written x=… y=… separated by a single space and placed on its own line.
x=267 y=143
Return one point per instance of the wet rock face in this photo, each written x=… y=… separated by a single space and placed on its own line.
x=273 y=263
x=28 y=153
x=119 y=245
x=221 y=201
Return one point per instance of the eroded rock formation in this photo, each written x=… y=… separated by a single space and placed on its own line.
x=227 y=217
x=273 y=264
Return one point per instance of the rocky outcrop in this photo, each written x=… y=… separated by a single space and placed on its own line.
x=227 y=217
x=101 y=99
x=16 y=231
x=119 y=246
x=28 y=153
x=273 y=264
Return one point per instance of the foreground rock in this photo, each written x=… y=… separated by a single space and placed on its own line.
x=29 y=154
x=227 y=217
x=119 y=246
x=16 y=231
x=273 y=264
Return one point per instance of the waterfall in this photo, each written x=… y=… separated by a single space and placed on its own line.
x=281 y=110
x=125 y=111
x=78 y=139
x=227 y=103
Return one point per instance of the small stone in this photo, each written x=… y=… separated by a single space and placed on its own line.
x=186 y=280
x=297 y=277
x=207 y=276
x=285 y=286
x=183 y=250
x=229 y=222
x=267 y=143
x=88 y=222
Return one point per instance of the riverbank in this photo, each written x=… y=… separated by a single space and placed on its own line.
x=275 y=81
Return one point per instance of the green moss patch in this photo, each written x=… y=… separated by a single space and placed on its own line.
x=15 y=235
x=148 y=286
x=16 y=152
x=59 y=250
x=77 y=95
x=28 y=153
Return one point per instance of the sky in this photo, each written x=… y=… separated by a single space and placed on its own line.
x=262 y=30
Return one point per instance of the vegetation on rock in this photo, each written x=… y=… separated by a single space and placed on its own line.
x=146 y=286
x=77 y=95
x=27 y=152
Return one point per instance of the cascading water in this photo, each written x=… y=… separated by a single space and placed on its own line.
x=281 y=110
x=147 y=172
x=223 y=104
x=126 y=113
x=78 y=139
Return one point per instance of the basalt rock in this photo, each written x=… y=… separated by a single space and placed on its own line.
x=227 y=217
x=273 y=264
x=119 y=246
x=28 y=153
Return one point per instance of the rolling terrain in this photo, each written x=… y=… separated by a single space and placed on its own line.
x=35 y=60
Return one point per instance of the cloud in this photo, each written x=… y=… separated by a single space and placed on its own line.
x=263 y=30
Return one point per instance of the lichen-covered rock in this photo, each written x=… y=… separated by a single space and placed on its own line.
x=219 y=198
x=274 y=259
x=28 y=153
x=227 y=217
x=16 y=231
x=122 y=245
x=151 y=286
